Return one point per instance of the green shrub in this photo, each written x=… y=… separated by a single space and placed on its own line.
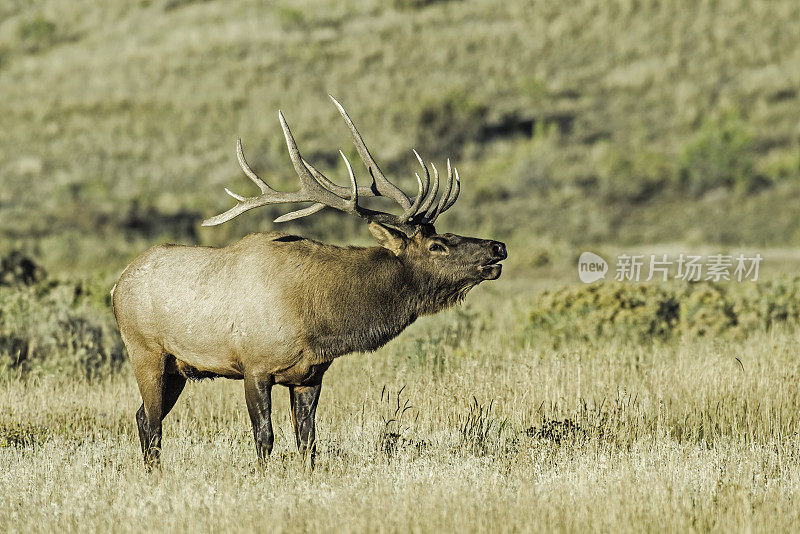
x=170 y=5
x=644 y=313
x=706 y=310
x=633 y=175
x=55 y=326
x=638 y=312
x=36 y=34
x=445 y=125
x=414 y=4
x=290 y=17
x=781 y=165
x=720 y=155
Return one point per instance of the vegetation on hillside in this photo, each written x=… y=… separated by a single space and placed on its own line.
x=625 y=121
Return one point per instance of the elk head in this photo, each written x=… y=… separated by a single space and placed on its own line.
x=451 y=260
x=448 y=264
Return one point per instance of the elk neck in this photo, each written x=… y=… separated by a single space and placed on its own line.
x=368 y=297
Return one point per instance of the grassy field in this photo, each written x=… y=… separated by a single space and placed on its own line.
x=625 y=126
x=500 y=436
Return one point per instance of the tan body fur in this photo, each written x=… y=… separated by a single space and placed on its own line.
x=258 y=304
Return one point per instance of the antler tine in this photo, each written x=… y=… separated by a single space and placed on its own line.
x=427 y=208
x=412 y=210
x=314 y=208
x=248 y=171
x=381 y=183
x=454 y=194
x=445 y=194
x=427 y=182
x=322 y=179
x=308 y=184
x=245 y=204
x=371 y=215
x=240 y=198
x=363 y=190
x=353 y=184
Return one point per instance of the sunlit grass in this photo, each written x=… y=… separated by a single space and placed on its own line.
x=689 y=435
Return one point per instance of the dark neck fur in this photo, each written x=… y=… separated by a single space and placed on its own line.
x=369 y=298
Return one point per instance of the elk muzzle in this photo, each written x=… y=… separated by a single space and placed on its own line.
x=491 y=268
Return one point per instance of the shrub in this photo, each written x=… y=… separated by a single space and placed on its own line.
x=646 y=313
x=170 y=5
x=18 y=269
x=36 y=34
x=720 y=155
x=54 y=326
x=637 y=312
x=447 y=124
x=634 y=175
x=290 y=17
x=781 y=165
x=415 y=4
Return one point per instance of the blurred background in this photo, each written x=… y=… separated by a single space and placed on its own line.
x=575 y=126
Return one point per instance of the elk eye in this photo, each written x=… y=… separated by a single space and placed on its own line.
x=436 y=247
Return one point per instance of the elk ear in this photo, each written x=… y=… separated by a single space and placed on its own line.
x=387 y=237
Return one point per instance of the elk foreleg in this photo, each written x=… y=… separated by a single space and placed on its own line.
x=258 y=394
x=304 y=407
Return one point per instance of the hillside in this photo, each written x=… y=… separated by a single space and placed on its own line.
x=632 y=122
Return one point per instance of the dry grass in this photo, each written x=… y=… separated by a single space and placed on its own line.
x=676 y=437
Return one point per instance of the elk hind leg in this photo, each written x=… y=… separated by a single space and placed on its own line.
x=172 y=388
x=160 y=392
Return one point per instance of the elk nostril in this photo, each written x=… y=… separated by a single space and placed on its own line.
x=500 y=250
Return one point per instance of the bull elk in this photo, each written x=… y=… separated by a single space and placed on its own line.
x=275 y=308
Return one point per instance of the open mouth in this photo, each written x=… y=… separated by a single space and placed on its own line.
x=491 y=270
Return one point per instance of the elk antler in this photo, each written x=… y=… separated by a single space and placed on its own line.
x=316 y=188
